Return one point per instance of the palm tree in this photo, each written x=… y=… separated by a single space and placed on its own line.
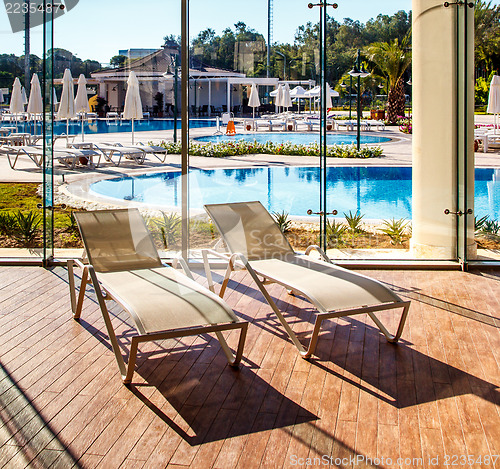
x=391 y=59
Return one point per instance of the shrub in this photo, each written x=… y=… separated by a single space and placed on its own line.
x=491 y=227
x=242 y=147
x=168 y=227
x=283 y=221
x=7 y=224
x=479 y=223
x=396 y=230
x=335 y=232
x=354 y=222
x=26 y=227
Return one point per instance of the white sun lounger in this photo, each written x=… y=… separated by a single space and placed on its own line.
x=162 y=303
x=256 y=244
x=69 y=157
x=109 y=151
x=155 y=150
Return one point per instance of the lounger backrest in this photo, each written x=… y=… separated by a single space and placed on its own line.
x=248 y=228
x=117 y=240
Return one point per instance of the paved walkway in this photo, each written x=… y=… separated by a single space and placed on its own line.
x=398 y=152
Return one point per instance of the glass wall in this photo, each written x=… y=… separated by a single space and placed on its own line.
x=26 y=218
x=290 y=107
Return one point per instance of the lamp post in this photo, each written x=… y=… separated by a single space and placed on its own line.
x=358 y=72
x=344 y=86
x=409 y=83
x=284 y=63
x=175 y=65
x=322 y=130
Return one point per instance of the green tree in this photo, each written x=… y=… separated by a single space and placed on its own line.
x=118 y=61
x=487 y=36
x=390 y=60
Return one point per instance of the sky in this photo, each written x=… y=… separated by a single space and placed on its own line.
x=97 y=29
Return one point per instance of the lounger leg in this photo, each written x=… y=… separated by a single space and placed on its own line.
x=131 y=361
x=226 y=279
x=76 y=306
x=233 y=360
x=276 y=310
x=109 y=326
x=388 y=335
x=314 y=338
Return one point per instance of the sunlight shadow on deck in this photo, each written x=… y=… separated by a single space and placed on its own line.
x=26 y=438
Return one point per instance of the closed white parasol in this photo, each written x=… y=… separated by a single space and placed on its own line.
x=82 y=100
x=287 y=99
x=494 y=98
x=35 y=103
x=67 y=103
x=16 y=99
x=133 y=104
x=254 y=100
x=279 y=96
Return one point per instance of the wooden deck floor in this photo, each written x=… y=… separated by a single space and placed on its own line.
x=433 y=396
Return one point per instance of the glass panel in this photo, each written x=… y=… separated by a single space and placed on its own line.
x=486 y=193
x=226 y=57
x=239 y=69
x=23 y=82
x=47 y=131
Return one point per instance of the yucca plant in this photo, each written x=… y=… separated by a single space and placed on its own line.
x=169 y=228
x=7 y=223
x=479 y=223
x=72 y=225
x=354 y=222
x=26 y=227
x=283 y=221
x=491 y=227
x=335 y=232
x=396 y=230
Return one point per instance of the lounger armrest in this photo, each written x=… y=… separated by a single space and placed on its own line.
x=180 y=260
x=233 y=260
x=314 y=247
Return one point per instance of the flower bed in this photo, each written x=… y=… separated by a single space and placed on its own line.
x=242 y=147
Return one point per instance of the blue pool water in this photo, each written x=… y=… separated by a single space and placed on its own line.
x=377 y=192
x=103 y=126
x=294 y=137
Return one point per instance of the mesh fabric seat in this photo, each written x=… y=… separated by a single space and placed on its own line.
x=256 y=243
x=162 y=302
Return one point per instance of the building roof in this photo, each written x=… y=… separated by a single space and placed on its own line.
x=157 y=63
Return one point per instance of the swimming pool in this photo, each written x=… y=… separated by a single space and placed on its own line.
x=102 y=126
x=294 y=138
x=377 y=192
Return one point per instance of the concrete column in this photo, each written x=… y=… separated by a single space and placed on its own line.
x=437 y=133
x=209 y=97
x=102 y=90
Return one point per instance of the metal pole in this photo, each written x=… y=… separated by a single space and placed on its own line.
x=358 y=110
x=176 y=90
x=269 y=35
x=27 y=46
x=185 y=126
x=350 y=96
x=323 y=125
x=323 y=112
